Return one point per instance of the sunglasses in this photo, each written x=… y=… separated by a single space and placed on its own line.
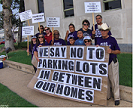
x=41 y=28
x=86 y=24
x=87 y=41
x=46 y=29
x=40 y=37
x=56 y=34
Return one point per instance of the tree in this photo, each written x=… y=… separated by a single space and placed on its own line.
x=21 y=9
x=7 y=17
x=10 y=19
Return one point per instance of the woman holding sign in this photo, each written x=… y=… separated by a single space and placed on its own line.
x=40 y=42
x=113 y=66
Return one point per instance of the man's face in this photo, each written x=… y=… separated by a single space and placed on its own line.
x=98 y=20
x=85 y=25
x=80 y=34
x=104 y=32
x=71 y=28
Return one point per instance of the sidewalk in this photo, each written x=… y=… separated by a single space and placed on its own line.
x=17 y=81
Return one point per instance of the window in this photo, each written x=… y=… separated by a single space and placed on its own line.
x=40 y=6
x=111 y=4
x=68 y=8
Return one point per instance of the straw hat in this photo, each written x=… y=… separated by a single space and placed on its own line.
x=104 y=26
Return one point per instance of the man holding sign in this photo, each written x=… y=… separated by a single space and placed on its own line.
x=113 y=70
x=96 y=33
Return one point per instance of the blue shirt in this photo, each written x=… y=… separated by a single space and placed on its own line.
x=79 y=42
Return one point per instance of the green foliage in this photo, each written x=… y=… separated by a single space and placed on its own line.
x=125 y=69
x=2 y=45
x=20 y=56
x=11 y=99
x=21 y=45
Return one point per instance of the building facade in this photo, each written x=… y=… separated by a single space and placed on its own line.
x=116 y=13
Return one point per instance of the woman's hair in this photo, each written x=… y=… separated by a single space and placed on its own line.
x=38 y=42
x=86 y=22
x=40 y=27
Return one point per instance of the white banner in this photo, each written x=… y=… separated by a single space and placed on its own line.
x=26 y=15
x=53 y=22
x=27 y=30
x=38 y=18
x=92 y=7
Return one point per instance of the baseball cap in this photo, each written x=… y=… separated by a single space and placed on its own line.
x=33 y=37
x=87 y=37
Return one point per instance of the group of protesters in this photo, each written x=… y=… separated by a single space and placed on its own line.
x=100 y=32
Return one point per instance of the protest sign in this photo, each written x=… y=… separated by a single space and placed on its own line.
x=26 y=15
x=62 y=73
x=92 y=7
x=27 y=30
x=38 y=18
x=53 y=21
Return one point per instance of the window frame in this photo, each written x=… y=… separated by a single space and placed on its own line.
x=38 y=6
x=110 y=9
x=65 y=10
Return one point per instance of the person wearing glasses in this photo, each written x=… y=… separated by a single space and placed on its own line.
x=57 y=40
x=48 y=36
x=72 y=33
x=40 y=42
x=41 y=30
x=85 y=28
x=96 y=33
x=87 y=41
x=113 y=65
